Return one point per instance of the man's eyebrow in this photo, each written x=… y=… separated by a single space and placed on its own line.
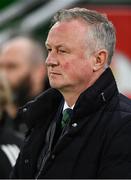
x=57 y=46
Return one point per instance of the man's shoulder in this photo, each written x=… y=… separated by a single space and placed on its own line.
x=125 y=104
x=120 y=115
x=125 y=99
x=41 y=107
x=49 y=94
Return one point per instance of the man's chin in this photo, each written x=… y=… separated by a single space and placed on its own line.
x=56 y=85
x=61 y=88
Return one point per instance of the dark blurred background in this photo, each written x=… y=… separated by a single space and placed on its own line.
x=32 y=17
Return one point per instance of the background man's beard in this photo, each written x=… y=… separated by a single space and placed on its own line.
x=22 y=92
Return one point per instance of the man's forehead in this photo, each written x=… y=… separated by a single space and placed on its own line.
x=80 y=24
x=71 y=28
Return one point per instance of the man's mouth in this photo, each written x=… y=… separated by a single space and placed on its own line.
x=54 y=73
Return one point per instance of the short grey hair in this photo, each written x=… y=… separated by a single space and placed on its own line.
x=101 y=34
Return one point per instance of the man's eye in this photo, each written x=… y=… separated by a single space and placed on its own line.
x=62 y=51
x=49 y=49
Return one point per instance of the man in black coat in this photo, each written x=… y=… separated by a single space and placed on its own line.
x=22 y=62
x=95 y=142
x=10 y=143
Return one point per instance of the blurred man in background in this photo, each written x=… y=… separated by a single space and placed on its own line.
x=22 y=60
x=10 y=142
x=22 y=77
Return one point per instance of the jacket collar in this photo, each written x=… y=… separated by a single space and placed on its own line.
x=97 y=95
x=45 y=106
x=41 y=108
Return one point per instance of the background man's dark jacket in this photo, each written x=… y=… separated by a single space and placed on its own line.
x=98 y=143
x=10 y=144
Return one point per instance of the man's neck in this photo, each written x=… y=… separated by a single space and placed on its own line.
x=71 y=97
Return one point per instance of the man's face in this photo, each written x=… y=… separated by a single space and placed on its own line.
x=69 y=69
x=14 y=63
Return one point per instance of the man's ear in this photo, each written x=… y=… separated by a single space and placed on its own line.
x=100 y=59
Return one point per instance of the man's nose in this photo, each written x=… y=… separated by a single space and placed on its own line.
x=51 y=59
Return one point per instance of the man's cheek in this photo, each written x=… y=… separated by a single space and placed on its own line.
x=66 y=66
